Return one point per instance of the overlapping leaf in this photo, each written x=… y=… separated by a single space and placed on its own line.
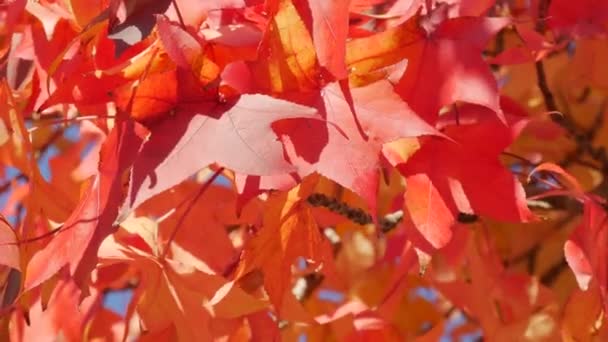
x=451 y=177
x=93 y=219
x=274 y=131
x=288 y=232
x=445 y=63
x=347 y=147
x=209 y=132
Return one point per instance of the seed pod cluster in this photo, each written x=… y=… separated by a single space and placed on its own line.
x=356 y=215
x=467 y=218
x=390 y=221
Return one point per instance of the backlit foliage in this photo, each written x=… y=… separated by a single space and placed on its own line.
x=303 y=170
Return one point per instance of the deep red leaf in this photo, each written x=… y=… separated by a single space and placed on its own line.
x=580 y=18
x=462 y=171
x=586 y=250
x=445 y=65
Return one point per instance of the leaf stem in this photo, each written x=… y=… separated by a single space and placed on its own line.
x=56 y=121
x=456 y=114
x=143 y=76
x=518 y=157
x=179 y=14
x=33 y=239
x=188 y=209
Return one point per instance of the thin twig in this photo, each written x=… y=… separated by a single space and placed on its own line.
x=533 y=165
x=544 y=89
x=6 y=186
x=543 y=9
x=56 y=135
x=36 y=238
x=549 y=277
x=583 y=140
x=520 y=158
x=457 y=114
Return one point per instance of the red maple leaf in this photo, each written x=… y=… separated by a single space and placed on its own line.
x=586 y=251
x=453 y=176
x=347 y=147
x=445 y=63
x=236 y=134
x=579 y=18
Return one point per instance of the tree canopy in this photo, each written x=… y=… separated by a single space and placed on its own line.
x=306 y=170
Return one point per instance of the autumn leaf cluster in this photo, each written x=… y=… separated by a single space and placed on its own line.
x=342 y=170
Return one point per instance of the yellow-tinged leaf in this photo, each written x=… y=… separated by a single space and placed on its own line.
x=378 y=51
x=151 y=59
x=85 y=10
x=16 y=148
x=204 y=69
x=517 y=84
x=583 y=318
x=287 y=59
x=588 y=67
x=179 y=293
x=146 y=228
x=587 y=177
x=289 y=231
